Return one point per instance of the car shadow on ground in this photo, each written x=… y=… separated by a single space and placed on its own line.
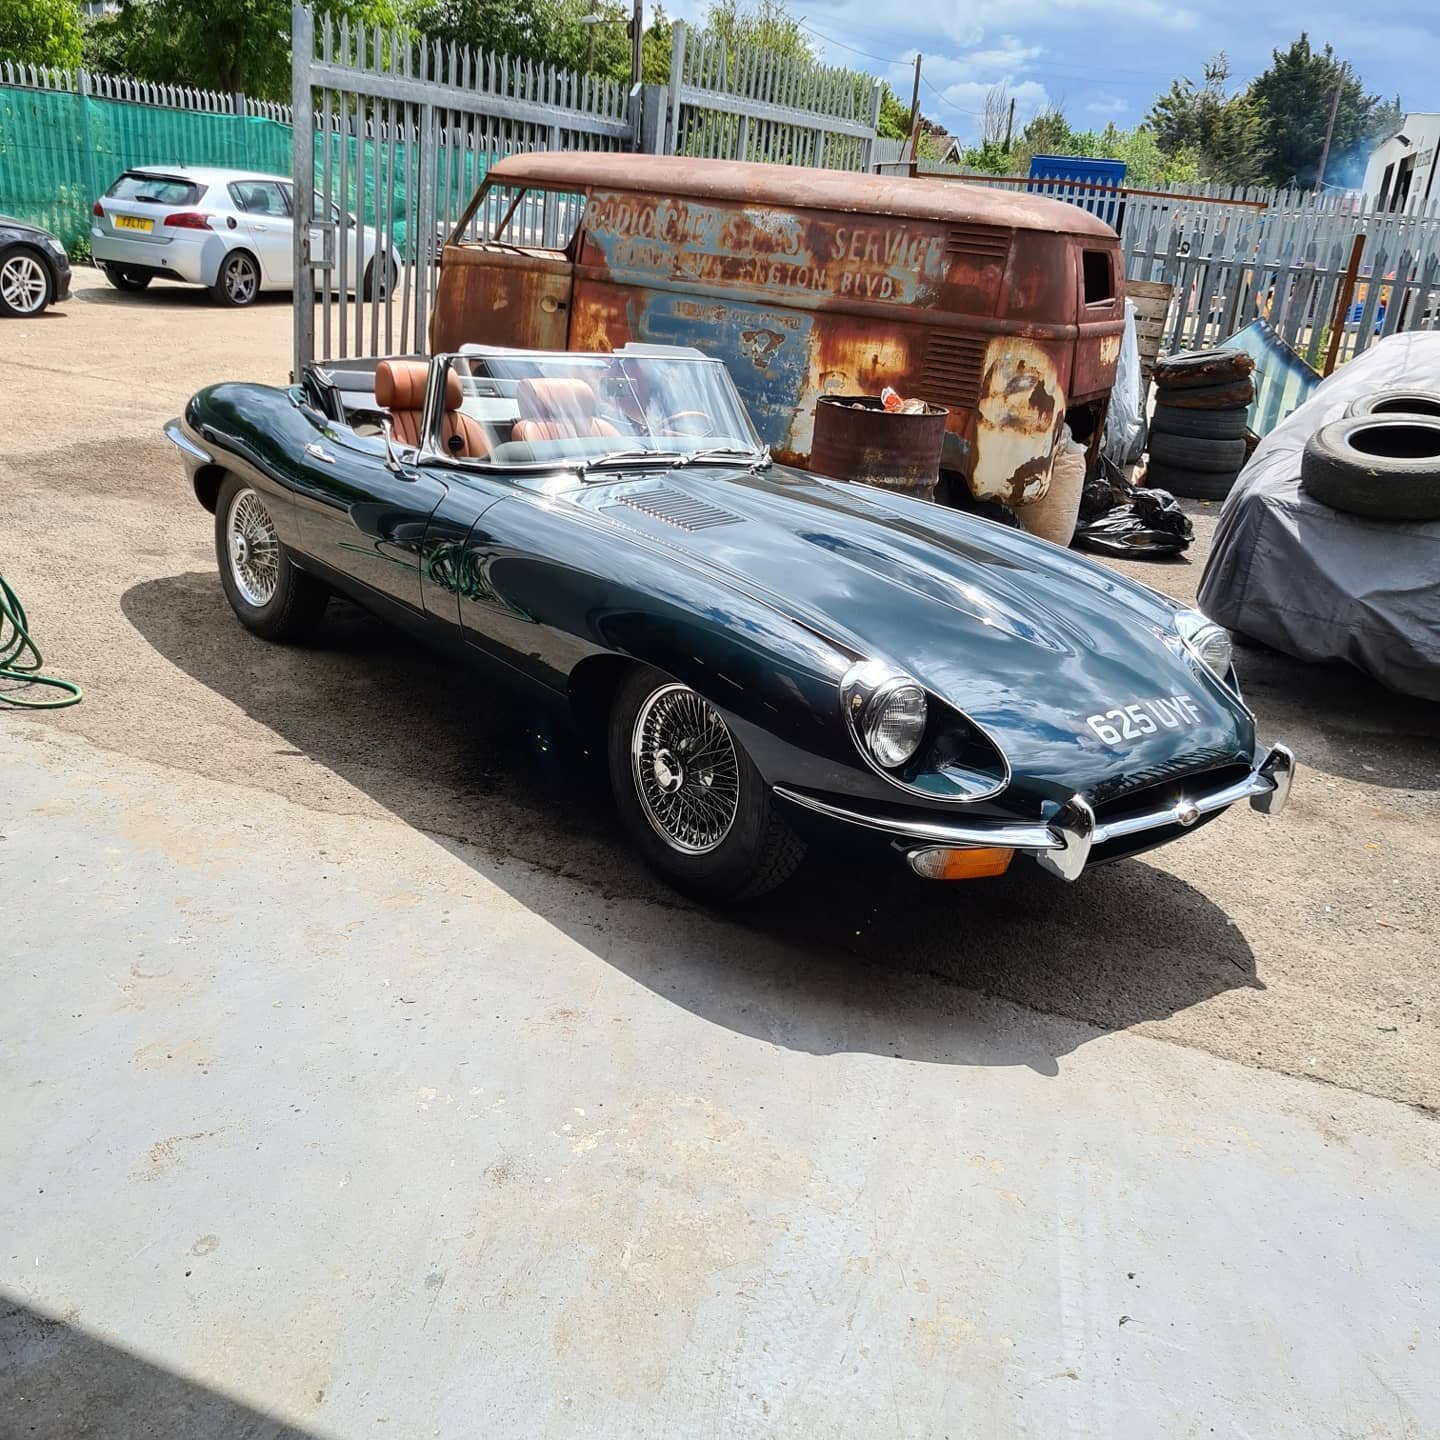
x=167 y=294
x=447 y=752
x=59 y=1383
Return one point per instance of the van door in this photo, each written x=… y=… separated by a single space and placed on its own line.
x=494 y=294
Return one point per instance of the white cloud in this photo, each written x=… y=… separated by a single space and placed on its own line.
x=1108 y=105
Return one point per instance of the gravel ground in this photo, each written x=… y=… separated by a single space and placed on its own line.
x=1303 y=944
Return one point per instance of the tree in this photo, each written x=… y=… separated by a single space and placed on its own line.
x=41 y=32
x=765 y=25
x=1293 y=98
x=1222 y=132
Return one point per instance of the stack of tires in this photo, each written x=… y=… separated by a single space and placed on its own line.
x=1198 y=437
x=1381 y=460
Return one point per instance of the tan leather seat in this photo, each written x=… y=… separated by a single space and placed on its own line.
x=556 y=409
x=400 y=389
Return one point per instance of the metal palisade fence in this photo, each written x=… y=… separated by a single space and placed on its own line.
x=1329 y=277
x=1329 y=273
x=396 y=133
x=739 y=103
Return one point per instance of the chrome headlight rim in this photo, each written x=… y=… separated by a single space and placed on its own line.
x=1198 y=631
x=888 y=693
x=867 y=679
x=867 y=687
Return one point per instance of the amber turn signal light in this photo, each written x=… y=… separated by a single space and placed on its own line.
x=972 y=864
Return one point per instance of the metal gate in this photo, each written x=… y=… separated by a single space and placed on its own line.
x=744 y=104
x=392 y=134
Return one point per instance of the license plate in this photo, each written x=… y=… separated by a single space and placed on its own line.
x=133 y=222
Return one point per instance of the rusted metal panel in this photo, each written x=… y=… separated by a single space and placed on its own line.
x=800 y=187
x=1020 y=411
x=492 y=297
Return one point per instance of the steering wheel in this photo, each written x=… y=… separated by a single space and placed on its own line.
x=687 y=422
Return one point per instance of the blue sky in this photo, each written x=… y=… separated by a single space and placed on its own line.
x=1108 y=59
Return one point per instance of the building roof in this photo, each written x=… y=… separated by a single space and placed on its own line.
x=946 y=201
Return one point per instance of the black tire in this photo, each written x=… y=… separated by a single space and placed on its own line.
x=298 y=601
x=1397 y=402
x=1200 y=424
x=237 y=283
x=758 y=851
x=1385 y=467
x=1192 y=484
x=367 y=288
x=27 y=272
x=1188 y=368
x=1228 y=396
x=125 y=280
x=1192 y=452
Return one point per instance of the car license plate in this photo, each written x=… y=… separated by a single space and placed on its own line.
x=133 y=222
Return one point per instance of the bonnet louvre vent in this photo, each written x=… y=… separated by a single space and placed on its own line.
x=675 y=508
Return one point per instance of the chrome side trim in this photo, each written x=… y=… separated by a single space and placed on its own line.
x=184 y=444
x=937 y=832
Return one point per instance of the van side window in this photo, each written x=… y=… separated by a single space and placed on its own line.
x=1099 y=277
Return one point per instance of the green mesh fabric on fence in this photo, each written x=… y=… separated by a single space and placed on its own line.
x=58 y=151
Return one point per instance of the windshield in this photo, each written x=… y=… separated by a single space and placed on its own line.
x=155 y=189
x=508 y=408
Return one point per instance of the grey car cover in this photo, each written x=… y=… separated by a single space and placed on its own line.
x=1315 y=582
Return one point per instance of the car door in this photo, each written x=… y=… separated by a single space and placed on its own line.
x=265 y=218
x=359 y=517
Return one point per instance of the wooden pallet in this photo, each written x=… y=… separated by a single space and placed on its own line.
x=1152 y=305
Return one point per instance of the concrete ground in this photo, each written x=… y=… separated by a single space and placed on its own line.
x=357 y=1079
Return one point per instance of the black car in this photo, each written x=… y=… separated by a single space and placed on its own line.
x=34 y=269
x=764 y=653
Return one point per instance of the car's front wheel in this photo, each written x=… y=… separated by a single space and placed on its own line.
x=691 y=797
x=238 y=282
x=265 y=589
x=24 y=283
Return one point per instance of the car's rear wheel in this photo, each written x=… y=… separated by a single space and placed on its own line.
x=690 y=796
x=24 y=283
x=238 y=282
x=126 y=280
x=389 y=277
x=265 y=589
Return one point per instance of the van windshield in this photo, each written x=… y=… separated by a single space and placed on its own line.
x=521 y=408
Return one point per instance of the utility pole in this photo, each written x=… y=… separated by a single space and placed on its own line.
x=637 y=28
x=1330 y=128
x=1009 y=124
x=915 y=114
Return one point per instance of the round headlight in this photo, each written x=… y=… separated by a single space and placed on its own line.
x=895 y=723
x=1208 y=642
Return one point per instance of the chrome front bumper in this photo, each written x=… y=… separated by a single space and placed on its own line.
x=1062 y=844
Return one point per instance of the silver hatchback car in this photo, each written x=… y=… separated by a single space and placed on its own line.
x=229 y=230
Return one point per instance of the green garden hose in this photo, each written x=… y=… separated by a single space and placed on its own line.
x=15 y=646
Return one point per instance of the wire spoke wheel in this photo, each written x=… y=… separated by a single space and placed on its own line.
x=253 y=547
x=686 y=773
x=24 y=284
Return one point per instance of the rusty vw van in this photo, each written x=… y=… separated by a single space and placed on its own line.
x=1005 y=308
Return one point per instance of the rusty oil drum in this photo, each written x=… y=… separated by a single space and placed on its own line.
x=856 y=438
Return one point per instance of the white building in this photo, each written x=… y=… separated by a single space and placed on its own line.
x=1401 y=169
